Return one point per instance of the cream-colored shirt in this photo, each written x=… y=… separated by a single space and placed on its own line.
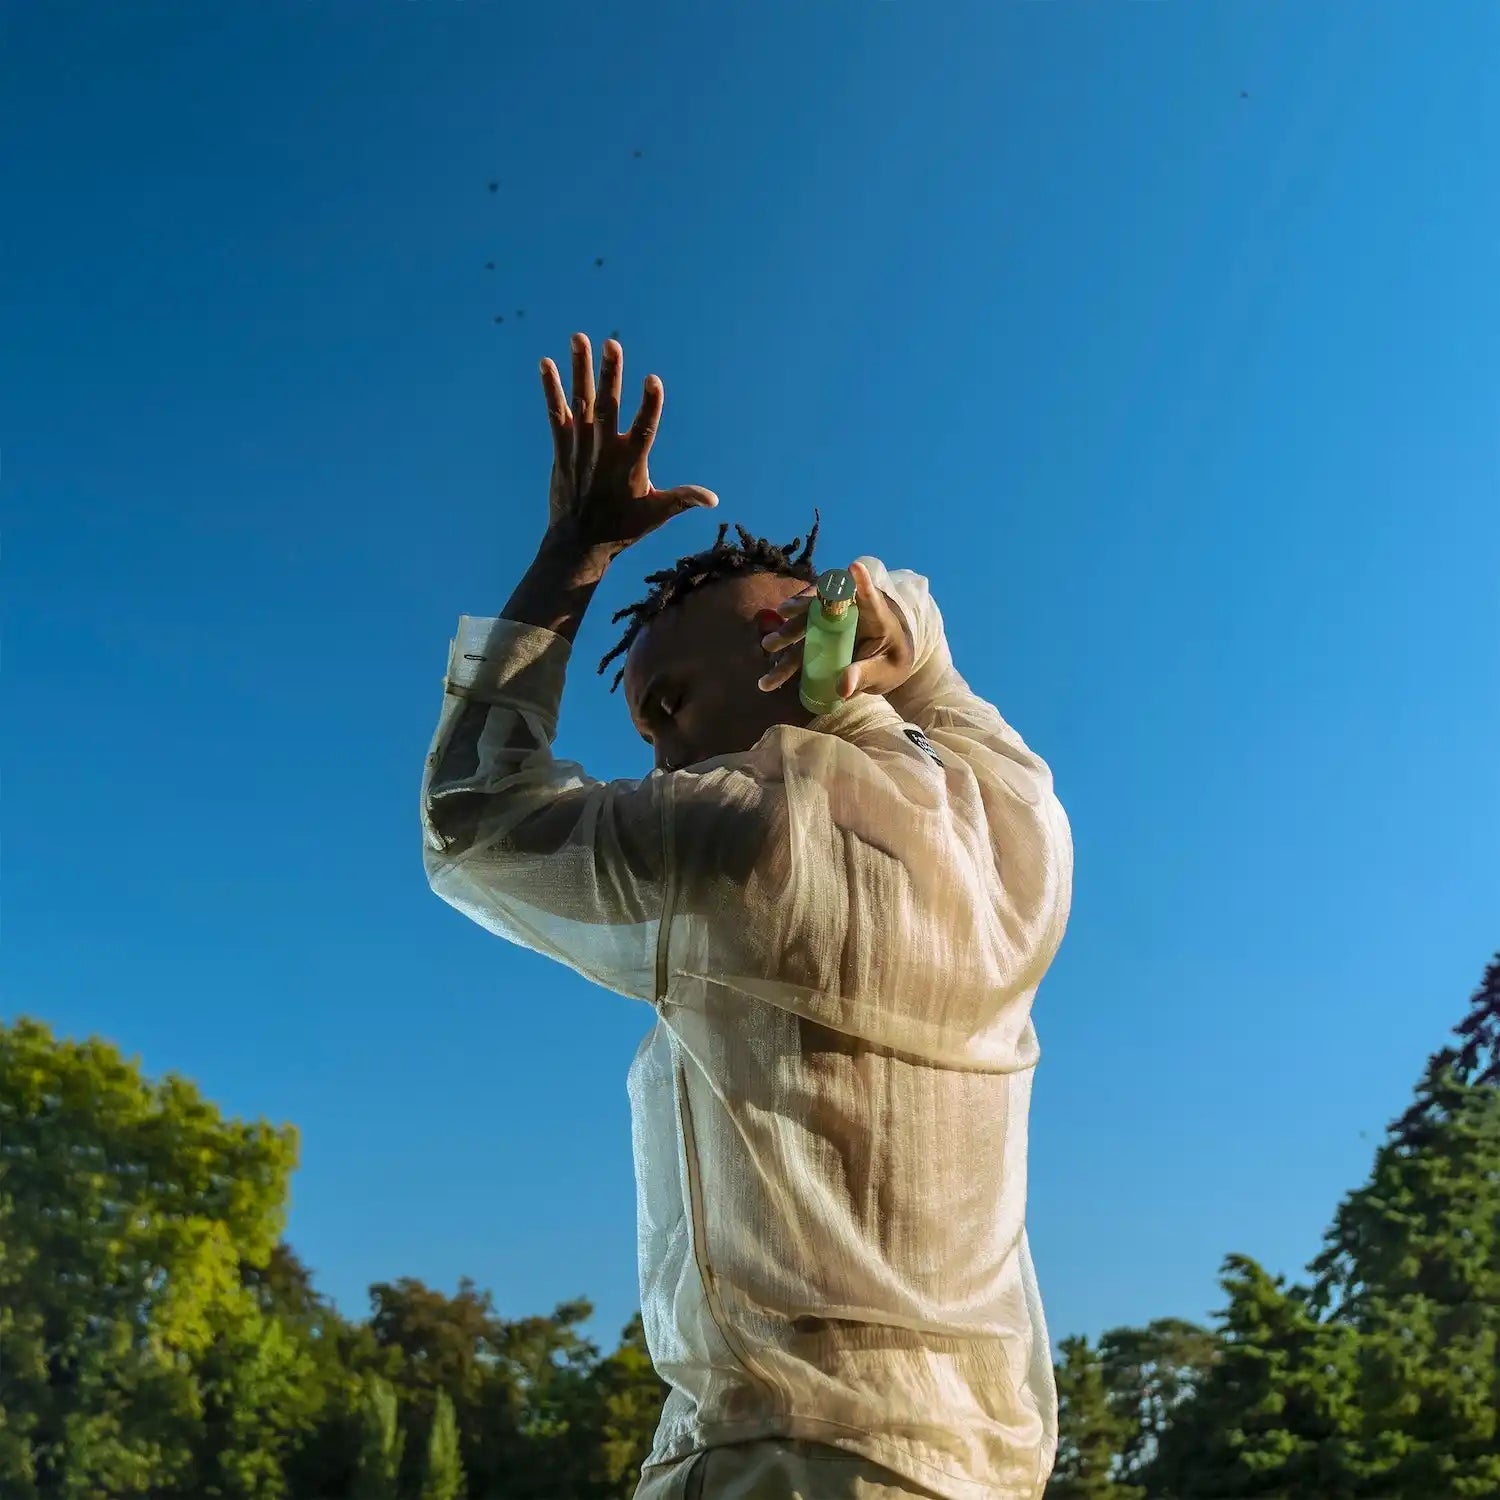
x=841 y=932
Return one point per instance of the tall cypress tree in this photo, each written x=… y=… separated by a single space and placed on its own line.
x=443 y=1475
x=383 y=1443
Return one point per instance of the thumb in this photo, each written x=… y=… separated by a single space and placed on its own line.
x=849 y=681
x=864 y=585
x=685 y=497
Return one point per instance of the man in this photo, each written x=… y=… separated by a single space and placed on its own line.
x=840 y=922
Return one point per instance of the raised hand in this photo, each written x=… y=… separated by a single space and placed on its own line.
x=884 y=653
x=601 y=496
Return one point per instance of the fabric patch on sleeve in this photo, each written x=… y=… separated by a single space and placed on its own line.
x=921 y=741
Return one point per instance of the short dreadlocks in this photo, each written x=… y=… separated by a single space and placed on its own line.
x=753 y=554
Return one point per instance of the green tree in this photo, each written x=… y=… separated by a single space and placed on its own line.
x=445 y=1343
x=630 y=1395
x=341 y=1353
x=383 y=1442
x=324 y=1461
x=455 y=1345
x=547 y=1366
x=259 y=1398
x=1277 y=1414
x=127 y=1210
x=443 y=1476
x=1091 y=1433
x=1412 y=1262
x=1149 y=1372
x=528 y=1418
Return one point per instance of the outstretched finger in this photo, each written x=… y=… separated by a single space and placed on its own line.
x=643 y=430
x=785 y=635
x=607 y=406
x=583 y=379
x=557 y=414
x=585 y=434
x=780 y=671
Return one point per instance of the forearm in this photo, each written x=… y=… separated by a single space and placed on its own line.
x=553 y=594
x=558 y=585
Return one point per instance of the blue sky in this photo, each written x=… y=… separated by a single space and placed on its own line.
x=1185 y=403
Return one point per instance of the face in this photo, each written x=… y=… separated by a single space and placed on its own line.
x=691 y=674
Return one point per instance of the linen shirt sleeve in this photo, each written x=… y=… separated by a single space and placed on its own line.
x=1001 y=785
x=539 y=852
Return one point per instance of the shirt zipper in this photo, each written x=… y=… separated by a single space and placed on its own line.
x=690 y=1140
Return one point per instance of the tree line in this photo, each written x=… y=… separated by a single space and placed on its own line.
x=159 y=1337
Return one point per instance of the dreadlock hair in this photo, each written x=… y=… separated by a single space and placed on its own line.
x=753 y=554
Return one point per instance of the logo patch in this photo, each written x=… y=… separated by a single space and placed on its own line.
x=921 y=741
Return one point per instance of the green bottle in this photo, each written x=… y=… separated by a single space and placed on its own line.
x=829 y=645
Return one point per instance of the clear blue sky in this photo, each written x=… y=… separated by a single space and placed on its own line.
x=1186 y=404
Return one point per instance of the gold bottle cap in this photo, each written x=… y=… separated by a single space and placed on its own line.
x=835 y=592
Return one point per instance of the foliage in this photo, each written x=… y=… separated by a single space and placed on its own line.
x=1092 y=1433
x=1380 y=1380
x=159 y=1338
x=382 y=1442
x=1149 y=1372
x=443 y=1475
x=128 y=1210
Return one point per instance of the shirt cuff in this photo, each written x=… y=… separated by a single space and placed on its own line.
x=503 y=661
